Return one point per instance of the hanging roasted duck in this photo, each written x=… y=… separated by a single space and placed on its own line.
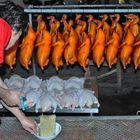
x=58 y=49
x=91 y=29
x=83 y=51
x=80 y=27
x=98 y=47
x=116 y=25
x=106 y=27
x=112 y=49
x=41 y=26
x=133 y=26
x=27 y=47
x=127 y=49
x=43 y=50
x=54 y=26
x=10 y=55
x=136 y=55
x=132 y=30
x=65 y=34
x=71 y=45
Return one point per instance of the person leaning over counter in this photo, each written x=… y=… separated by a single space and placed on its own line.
x=12 y=25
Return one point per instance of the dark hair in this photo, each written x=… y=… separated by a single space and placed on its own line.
x=14 y=15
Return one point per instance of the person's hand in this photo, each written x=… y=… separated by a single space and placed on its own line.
x=29 y=124
x=12 y=98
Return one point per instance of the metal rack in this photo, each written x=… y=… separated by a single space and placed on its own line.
x=105 y=8
x=116 y=8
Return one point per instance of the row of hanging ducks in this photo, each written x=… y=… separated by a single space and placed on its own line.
x=94 y=38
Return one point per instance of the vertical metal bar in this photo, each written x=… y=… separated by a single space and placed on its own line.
x=33 y=57
x=119 y=76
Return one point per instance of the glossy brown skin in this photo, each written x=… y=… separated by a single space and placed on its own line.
x=98 y=47
x=80 y=27
x=136 y=57
x=136 y=53
x=133 y=24
x=112 y=49
x=43 y=51
x=54 y=25
x=106 y=27
x=83 y=51
x=27 y=47
x=116 y=25
x=41 y=26
x=70 y=52
x=10 y=55
x=91 y=29
x=58 y=49
x=65 y=34
x=127 y=49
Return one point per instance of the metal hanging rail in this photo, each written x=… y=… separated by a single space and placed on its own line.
x=106 y=8
x=82 y=10
x=84 y=6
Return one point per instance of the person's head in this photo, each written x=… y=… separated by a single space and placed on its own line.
x=14 y=15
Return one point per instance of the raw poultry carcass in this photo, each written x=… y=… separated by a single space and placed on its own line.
x=91 y=29
x=87 y=98
x=98 y=47
x=70 y=52
x=74 y=82
x=112 y=49
x=106 y=27
x=44 y=48
x=32 y=97
x=41 y=26
x=116 y=25
x=10 y=55
x=83 y=51
x=58 y=49
x=70 y=98
x=15 y=82
x=46 y=102
x=127 y=49
x=54 y=26
x=32 y=82
x=80 y=27
x=27 y=47
x=55 y=83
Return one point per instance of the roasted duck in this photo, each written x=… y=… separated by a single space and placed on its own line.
x=27 y=47
x=112 y=49
x=80 y=27
x=99 y=45
x=41 y=26
x=65 y=29
x=10 y=55
x=127 y=49
x=133 y=26
x=106 y=27
x=44 y=48
x=116 y=25
x=70 y=52
x=83 y=51
x=54 y=26
x=58 y=49
x=91 y=29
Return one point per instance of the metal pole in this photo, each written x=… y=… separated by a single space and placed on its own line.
x=33 y=57
x=85 y=6
x=82 y=10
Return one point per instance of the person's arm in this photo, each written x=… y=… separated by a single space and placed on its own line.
x=27 y=123
x=11 y=98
